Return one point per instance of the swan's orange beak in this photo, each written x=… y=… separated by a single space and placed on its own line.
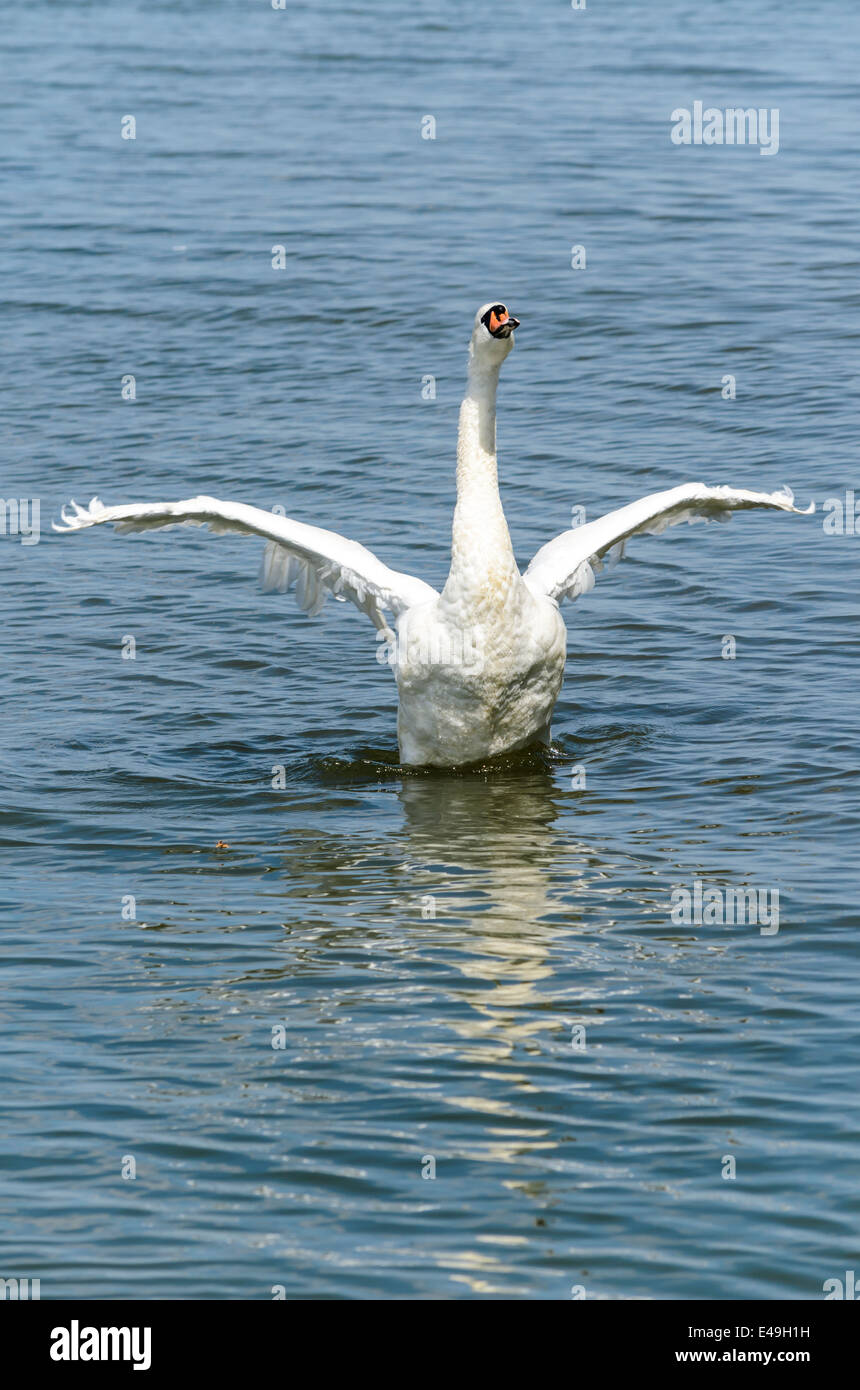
x=502 y=325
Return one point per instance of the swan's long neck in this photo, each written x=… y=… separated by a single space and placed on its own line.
x=482 y=557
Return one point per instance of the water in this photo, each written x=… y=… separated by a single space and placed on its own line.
x=409 y=1037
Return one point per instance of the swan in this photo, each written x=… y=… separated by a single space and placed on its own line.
x=478 y=666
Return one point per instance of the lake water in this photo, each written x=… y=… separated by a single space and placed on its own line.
x=424 y=950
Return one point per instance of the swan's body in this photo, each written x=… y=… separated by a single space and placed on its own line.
x=478 y=667
x=499 y=692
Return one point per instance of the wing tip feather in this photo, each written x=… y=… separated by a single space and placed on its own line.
x=79 y=517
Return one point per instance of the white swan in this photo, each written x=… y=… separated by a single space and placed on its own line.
x=479 y=666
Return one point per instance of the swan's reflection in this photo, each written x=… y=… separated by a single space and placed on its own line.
x=486 y=880
x=484 y=853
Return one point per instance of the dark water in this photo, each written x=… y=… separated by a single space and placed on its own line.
x=406 y=1036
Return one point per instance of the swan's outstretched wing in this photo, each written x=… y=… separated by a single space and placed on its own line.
x=566 y=566
x=318 y=562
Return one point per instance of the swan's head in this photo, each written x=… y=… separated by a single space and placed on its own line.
x=493 y=334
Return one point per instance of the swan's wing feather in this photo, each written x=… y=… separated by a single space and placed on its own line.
x=317 y=562
x=566 y=566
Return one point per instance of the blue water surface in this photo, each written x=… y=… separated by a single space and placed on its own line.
x=385 y=974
